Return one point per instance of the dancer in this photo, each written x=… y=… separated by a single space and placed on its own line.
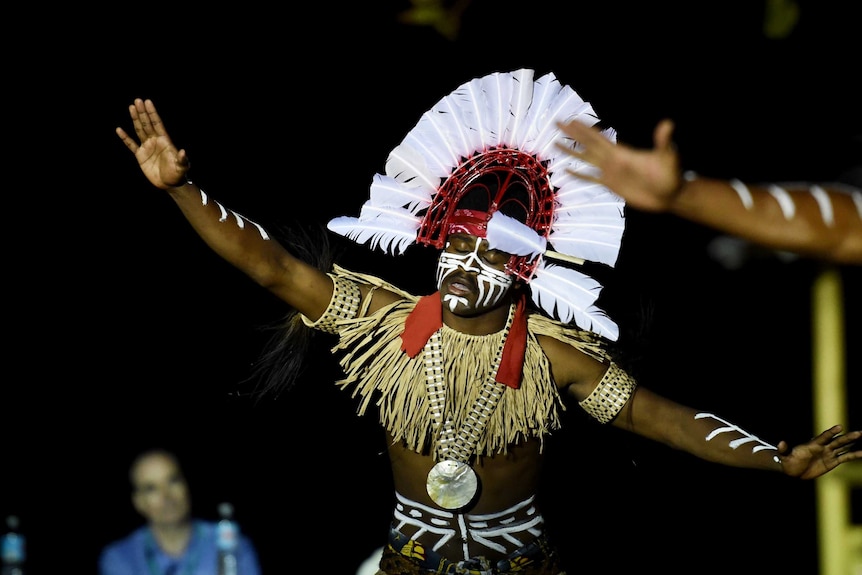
x=468 y=381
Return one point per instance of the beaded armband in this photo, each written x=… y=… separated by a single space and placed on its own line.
x=343 y=305
x=610 y=395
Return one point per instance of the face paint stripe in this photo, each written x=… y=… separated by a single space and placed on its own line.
x=492 y=283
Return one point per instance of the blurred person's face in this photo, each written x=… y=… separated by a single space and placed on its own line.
x=161 y=493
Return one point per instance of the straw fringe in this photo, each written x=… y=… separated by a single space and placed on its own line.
x=380 y=372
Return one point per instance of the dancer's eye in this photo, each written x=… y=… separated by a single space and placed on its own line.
x=461 y=244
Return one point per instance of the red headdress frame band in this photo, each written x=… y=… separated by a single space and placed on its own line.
x=504 y=168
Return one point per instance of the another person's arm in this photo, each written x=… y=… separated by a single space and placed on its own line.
x=817 y=220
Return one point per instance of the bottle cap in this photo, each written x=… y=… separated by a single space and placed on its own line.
x=225 y=510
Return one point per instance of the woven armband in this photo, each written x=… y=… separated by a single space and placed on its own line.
x=610 y=395
x=343 y=305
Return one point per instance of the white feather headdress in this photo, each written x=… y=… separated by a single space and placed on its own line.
x=504 y=113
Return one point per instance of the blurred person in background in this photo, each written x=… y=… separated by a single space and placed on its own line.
x=172 y=542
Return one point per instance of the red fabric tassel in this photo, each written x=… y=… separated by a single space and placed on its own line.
x=427 y=317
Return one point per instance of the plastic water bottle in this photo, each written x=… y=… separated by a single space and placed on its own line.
x=228 y=541
x=12 y=548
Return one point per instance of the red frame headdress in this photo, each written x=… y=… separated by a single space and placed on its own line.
x=502 y=128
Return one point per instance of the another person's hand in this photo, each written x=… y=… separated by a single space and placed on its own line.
x=646 y=179
x=161 y=162
x=820 y=455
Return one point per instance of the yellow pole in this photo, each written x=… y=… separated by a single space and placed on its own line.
x=832 y=491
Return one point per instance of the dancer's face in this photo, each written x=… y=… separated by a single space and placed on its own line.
x=470 y=276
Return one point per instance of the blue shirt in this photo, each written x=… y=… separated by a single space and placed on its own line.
x=138 y=554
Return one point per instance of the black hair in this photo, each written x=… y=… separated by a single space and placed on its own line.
x=283 y=358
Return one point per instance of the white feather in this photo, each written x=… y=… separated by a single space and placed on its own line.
x=592 y=231
x=408 y=166
x=545 y=90
x=598 y=245
x=511 y=236
x=434 y=146
x=567 y=183
x=398 y=218
x=450 y=122
x=393 y=236
x=470 y=99
x=567 y=104
x=580 y=195
x=388 y=192
x=498 y=95
x=569 y=295
x=522 y=97
x=439 y=138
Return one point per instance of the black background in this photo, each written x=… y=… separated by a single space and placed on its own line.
x=125 y=331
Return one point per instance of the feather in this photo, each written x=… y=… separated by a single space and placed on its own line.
x=592 y=231
x=388 y=192
x=507 y=234
x=408 y=166
x=563 y=161
x=545 y=89
x=567 y=182
x=519 y=108
x=569 y=295
x=427 y=140
x=380 y=232
x=576 y=197
x=398 y=218
x=437 y=141
x=470 y=99
x=595 y=243
x=449 y=116
x=567 y=104
x=498 y=93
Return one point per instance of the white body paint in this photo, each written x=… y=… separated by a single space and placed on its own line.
x=788 y=207
x=825 y=205
x=743 y=193
x=240 y=220
x=728 y=427
x=502 y=532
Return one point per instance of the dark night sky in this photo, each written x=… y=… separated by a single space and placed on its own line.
x=126 y=331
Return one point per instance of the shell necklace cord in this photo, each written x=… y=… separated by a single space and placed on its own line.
x=452 y=483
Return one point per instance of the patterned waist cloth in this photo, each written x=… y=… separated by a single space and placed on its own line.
x=403 y=556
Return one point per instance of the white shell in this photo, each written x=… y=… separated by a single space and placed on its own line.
x=452 y=484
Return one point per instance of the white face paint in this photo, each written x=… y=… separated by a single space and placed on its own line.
x=492 y=282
